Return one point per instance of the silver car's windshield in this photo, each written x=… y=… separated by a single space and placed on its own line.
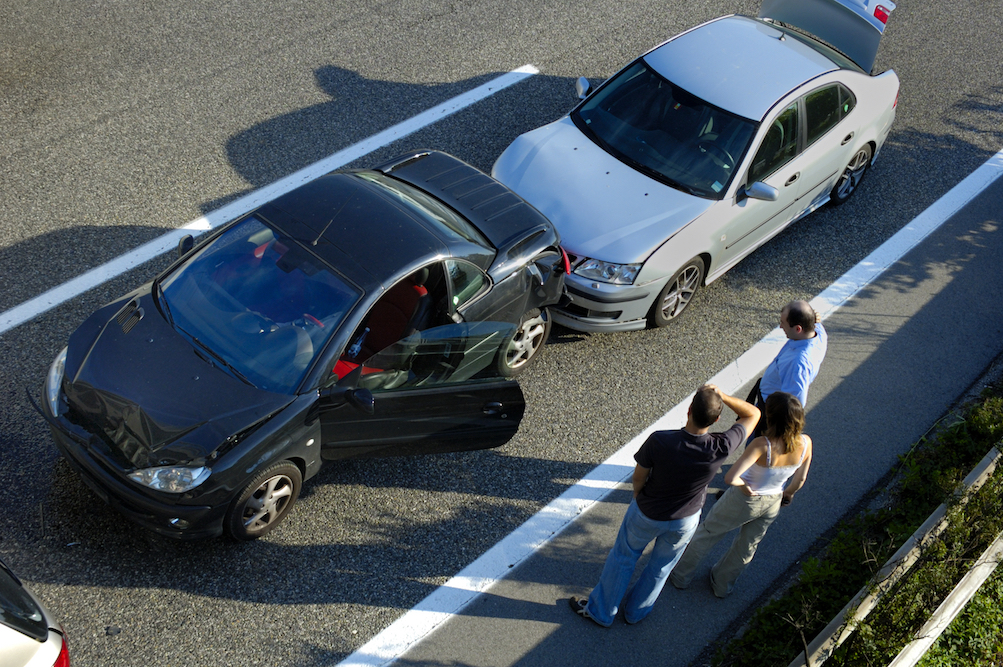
x=665 y=132
x=257 y=303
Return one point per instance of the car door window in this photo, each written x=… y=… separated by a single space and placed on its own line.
x=449 y=354
x=824 y=108
x=779 y=146
x=466 y=282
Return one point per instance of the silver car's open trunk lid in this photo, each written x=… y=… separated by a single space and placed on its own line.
x=851 y=26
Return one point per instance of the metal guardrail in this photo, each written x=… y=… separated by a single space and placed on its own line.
x=951 y=606
x=857 y=609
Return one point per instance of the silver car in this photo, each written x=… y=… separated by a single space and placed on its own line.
x=29 y=636
x=703 y=149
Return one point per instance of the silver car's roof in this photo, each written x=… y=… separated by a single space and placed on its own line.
x=739 y=64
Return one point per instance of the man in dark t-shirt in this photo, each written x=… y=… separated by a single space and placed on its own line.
x=670 y=483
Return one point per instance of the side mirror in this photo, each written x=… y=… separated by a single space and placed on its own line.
x=362 y=399
x=358 y=397
x=185 y=245
x=760 y=190
x=583 y=87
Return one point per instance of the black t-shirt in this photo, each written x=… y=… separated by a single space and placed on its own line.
x=682 y=465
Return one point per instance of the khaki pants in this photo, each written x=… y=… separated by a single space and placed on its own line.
x=732 y=510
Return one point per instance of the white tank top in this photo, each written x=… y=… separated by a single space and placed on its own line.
x=769 y=480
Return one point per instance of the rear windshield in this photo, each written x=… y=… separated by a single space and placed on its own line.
x=431 y=210
x=18 y=610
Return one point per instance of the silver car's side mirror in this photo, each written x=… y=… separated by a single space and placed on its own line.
x=582 y=87
x=760 y=190
x=185 y=244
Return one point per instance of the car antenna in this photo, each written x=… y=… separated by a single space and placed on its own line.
x=336 y=214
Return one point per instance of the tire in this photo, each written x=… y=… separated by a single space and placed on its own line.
x=672 y=301
x=264 y=502
x=850 y=179
x=526 y=343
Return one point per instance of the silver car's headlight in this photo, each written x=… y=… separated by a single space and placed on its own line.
x=172 y=479
x=54 y=381
x=607 y=272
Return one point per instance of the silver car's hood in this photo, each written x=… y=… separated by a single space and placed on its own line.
x=602 y=207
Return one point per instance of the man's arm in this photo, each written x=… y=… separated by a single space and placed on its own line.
x=748 y=414
x=639 y=478
x=797 y=480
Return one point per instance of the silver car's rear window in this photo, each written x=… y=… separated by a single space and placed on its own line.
x=665 y=132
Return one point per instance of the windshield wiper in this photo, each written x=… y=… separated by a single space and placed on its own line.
x=165 y=308
x=639 y=166
x=587 y=130
x=659 y=176
x=237 y=374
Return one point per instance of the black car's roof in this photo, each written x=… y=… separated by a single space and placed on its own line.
x=353 y=228
x=370 y=239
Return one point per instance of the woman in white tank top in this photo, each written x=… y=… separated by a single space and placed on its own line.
x=755 y=496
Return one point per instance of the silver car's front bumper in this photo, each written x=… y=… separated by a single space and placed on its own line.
x=594 y=306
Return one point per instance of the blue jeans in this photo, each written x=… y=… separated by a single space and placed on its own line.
x=636 y=531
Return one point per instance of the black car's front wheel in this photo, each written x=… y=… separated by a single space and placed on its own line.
x=852 y=175
x=526 y=343
x=264 y=502
x=677 y=293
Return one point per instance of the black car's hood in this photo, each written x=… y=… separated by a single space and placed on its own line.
x=141 y=386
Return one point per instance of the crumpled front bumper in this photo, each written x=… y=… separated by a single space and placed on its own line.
x=594 y=306
x=171 y=519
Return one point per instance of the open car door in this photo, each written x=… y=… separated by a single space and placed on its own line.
x=436 y=390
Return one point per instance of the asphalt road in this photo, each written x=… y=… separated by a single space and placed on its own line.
x=124 y=120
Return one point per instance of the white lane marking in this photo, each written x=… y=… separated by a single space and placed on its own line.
x=61 y=293
x=453 y=596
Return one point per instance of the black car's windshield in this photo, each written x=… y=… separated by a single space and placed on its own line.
x=665 y=132
x=260 y=303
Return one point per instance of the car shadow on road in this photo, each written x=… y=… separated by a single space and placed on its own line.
x=360 y=107
x=68 y=253
x=378 y=533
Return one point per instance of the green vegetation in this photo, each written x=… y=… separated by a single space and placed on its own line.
x=928 y=476
x=975 y=637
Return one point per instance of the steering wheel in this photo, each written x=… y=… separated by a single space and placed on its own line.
x=718 y=155
x=313 y=320
x=251 y=323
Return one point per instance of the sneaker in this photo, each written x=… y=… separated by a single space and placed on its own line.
x=580 y=607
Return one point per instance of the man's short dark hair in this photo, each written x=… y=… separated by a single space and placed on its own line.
x=706 y=407
x=801 y=314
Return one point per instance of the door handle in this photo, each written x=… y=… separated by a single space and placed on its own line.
x=846 y=139
x=492 y=408
x=792 y=179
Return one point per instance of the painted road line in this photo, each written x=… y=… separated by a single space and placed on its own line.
x=62 y=293
x=452 y=597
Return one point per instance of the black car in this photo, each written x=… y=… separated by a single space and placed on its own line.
x=366 y=313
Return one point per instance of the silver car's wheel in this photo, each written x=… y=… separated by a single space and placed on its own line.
x=264 y=502
x=526 y=343
x=852 y=175
x=677 y=293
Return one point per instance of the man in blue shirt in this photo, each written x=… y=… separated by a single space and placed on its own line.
x=798 y=362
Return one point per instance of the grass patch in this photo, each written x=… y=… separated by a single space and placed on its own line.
x=928 y=476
